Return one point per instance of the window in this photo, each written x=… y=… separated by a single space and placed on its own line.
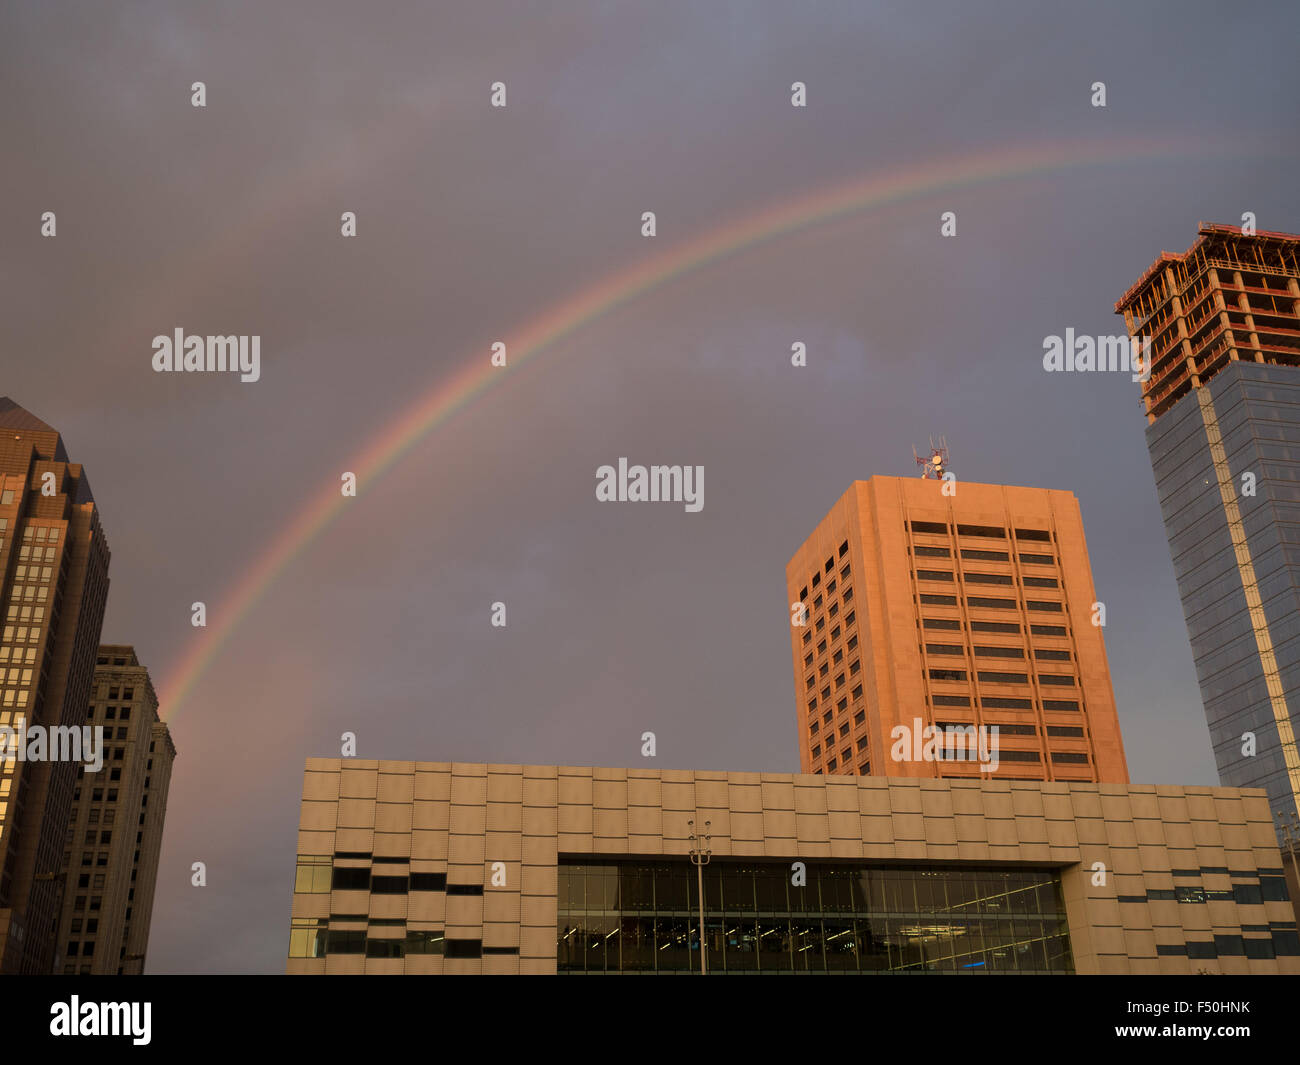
x=351 y=879
x=1041 y=582
x=1064 y=730
x=941 y=623
x=995 y=604
x=463 y=948
x=1060 y=704
x=313 y=874
x=1033 y=534
x=1037 y=560
x=1019 y=756
x=1057 y=679
x=929 y=527
x=934 y=575
x=944 y=648
x=982 y=530
x=1051 y=656
x=939 y=600
x=999 y=652
x=428 y=881
x=947 y=674
x=1273 y=888
x=1048 y=630
x=988 y=578
x=1069 y=758
x=931 y=552
x=1002 y=678
x=423 y=942
x=1043 y=606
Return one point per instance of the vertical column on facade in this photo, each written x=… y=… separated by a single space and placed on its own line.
x=1175 y=301
x=1130 y=323
x=1243 y=304
x=1224 y=320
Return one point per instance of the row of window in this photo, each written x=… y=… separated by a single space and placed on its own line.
x=1059 y=680
x=998 y=651
x=25 y=613
x=1269 y=889
x=1005 y=703
x=1280 y=944
x=316 y=875
x=309 y=938
x=1017 y=729
x=1006 y=579
x=992 y=603
x=1008 y=627
x=976 y=555
x=21 y=634
x=991 y=532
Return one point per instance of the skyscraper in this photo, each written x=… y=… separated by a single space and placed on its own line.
x=1223 y=429
x=114 y=835
x=951 y=605
x=53 y=586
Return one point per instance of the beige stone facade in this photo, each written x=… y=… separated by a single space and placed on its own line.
x=456 y=821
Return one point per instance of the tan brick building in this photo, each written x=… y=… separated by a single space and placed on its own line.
x=957 y=610
x=114 y=834
x=53 y=587
x=429 y=867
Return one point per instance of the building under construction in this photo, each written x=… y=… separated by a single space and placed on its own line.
x=1223 y=410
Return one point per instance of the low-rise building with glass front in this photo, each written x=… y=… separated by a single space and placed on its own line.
x=449 y=867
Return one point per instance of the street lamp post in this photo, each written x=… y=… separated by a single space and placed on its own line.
x=700 y=855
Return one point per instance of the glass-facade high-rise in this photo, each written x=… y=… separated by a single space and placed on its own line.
x=1223 y=409
x=53 y=587
x=630 y=915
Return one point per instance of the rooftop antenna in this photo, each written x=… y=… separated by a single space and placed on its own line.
x=934 y=465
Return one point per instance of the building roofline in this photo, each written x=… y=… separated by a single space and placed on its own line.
x=1204 y=230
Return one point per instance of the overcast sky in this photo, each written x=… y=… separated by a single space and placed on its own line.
x=474 y=221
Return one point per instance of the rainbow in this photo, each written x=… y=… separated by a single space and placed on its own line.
x=453 y=394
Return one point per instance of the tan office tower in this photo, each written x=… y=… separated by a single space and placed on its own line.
x=53 y=585
x=937 y=611
x=115 y=832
